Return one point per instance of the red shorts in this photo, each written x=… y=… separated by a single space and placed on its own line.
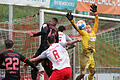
x=63 y=74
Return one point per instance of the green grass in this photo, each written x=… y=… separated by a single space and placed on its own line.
x=18 y=12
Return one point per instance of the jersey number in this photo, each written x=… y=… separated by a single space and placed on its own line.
x=10 y=62
x=56 y=55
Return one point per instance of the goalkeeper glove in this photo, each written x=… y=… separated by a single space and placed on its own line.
x=69 y=16
x=94 y=9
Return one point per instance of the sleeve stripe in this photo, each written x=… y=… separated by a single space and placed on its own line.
x=50 y=32
x=25 y=59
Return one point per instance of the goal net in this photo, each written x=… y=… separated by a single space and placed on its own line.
x=22 y=42
x=107 y=57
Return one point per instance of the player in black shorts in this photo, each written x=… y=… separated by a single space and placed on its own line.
x=12 y=60
x=47 y=29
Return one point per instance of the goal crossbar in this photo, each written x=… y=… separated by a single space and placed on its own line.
x=79 y=15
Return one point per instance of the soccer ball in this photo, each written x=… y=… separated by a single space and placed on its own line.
x=81 y=24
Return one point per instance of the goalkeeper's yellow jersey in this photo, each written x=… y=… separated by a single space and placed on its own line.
x=88 y=38
x=88 y=41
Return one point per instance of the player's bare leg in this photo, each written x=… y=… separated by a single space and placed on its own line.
x=79 y=77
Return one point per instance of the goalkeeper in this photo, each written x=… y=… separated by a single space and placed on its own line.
x=88 y=45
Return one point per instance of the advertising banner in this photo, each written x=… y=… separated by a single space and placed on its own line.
x=63 y=4
x=57 y=4
x=104 y=6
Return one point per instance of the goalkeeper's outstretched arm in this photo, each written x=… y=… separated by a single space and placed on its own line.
x=70 y=18
x=95 y=27
x=94 y=10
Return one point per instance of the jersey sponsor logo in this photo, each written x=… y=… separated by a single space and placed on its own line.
x=12 y=72
x=11 y=54
x=92 y=38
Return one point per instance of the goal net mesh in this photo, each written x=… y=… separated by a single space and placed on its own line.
x=23 y=44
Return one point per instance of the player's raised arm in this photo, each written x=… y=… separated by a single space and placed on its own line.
x=71 y=42
x=42 y=32
x=94 y=10
x=70 y=18
x=35 y=34
x=74 y=41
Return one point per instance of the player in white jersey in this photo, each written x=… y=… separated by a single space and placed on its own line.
x=64 y=37
x=59 y=57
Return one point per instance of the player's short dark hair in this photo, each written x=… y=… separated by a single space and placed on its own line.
x=51 y=39
x=61 y=28
x=9 y=44
x=55 y=20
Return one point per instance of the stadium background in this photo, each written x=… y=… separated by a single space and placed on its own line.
x=26 y=19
